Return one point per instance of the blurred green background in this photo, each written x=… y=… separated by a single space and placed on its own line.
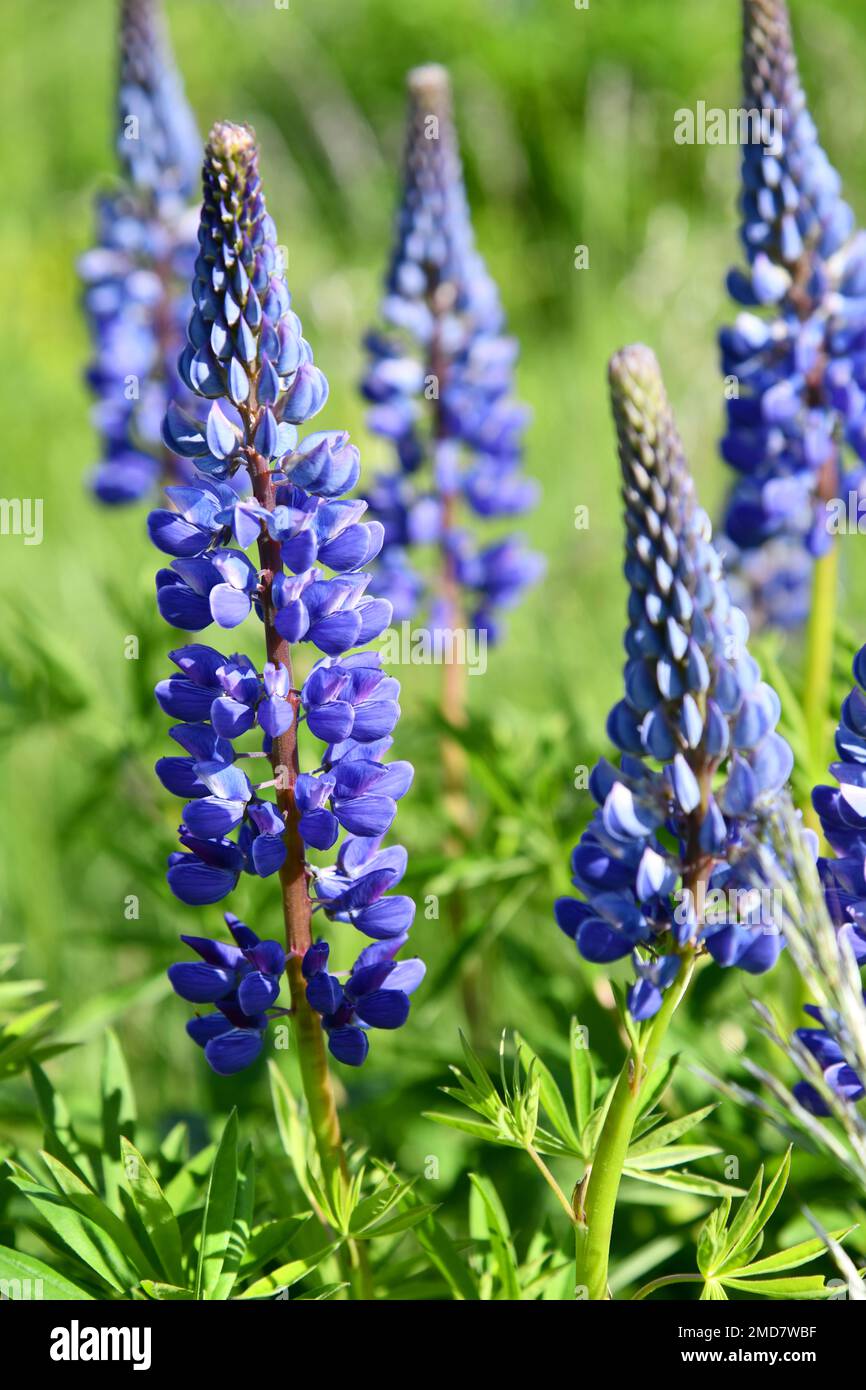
x=566 y=119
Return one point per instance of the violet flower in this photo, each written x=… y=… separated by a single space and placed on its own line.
x=136 y=279
x=247 y=357
x=440 y=389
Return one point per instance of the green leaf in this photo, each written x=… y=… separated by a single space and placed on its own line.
x=499 y=1235
x=444 y=1255
x=754 y=1213
x=81 y=1235
x=403 y=1221
x=14 y=1266
x=241 y=1226
x=670 y=1156
x=268 y=1240
x=290 y=1129
x=219 y=1210
x=375 y=1206
x=157 y=1216
x=288 y=1274
x=668 y=1133
x=791 y=1258
x=320 y=1295
x=80 y=1196
x=684 y=1182
x=582 y=1075
x=478 y=1071
x=118 y=1100
x=798 y=1287
x=479 y=1129
x=657 y=1083
x=549 y=1093
x=167 y=1293
x=711 y=1240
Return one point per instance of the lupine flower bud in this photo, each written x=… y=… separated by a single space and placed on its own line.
x=793 y=355
x=701 y=762
x=439 y=384
x=136 y=279
x=247 y=360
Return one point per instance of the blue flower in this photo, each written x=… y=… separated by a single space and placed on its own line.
x=842 y=812
x=136 y=279
x=247 y=359
x=795 y=352
x=839 y=1075
x=375 y=995
x=439 y=385
x=243 y=981
x=701 y=763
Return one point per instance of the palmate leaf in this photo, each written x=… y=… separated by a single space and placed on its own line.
x=726 y=1253
x=550 y=1096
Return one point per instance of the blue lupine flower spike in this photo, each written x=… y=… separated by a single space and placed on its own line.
x=701 y=762
x=440 y=388
x=136 y=279
x=842 y=813
x=793 y=360
x=246 y=357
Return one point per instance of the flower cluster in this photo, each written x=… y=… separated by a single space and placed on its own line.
x=842 y=812
x=375 y=995
x=664 y=839
x=439 y=384
x=243 y=981
x=136 y=279
x=246 y=354
x=796 y=350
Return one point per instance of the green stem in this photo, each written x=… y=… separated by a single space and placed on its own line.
x=819 y=667
x=297 y=909
x=551 y=1181
x=664 y=1281
x=595 y=1217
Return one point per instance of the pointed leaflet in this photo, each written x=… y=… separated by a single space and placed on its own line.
x=157 y=1216
x=219 y=1211
x=118 y=1100
x=241 y=1226
x=495 y=1224
x=16 y=1267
